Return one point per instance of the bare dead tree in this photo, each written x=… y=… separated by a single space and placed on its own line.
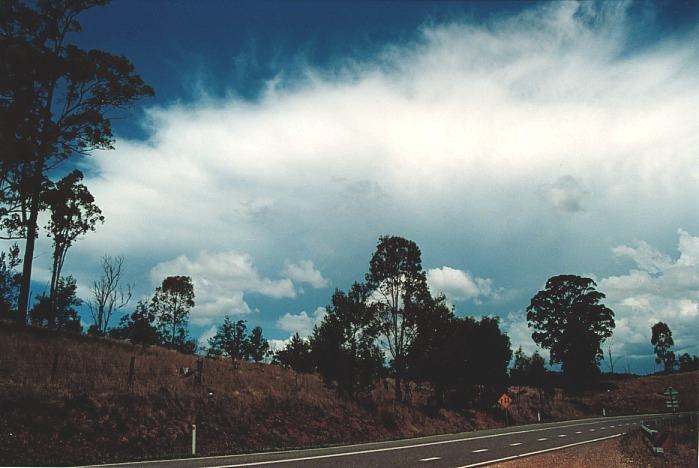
x=611 y=360
x=108 y=294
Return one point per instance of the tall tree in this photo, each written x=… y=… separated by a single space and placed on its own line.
x=9 y=282
x=662 y=341
x=343 y=345
x=400 y=293
x=172 y=301
x=433 y=354
x=60 y=312
x=73 y=213
x=230 y=340
x=258 y=346
x=570 y=321
x=108 y=294
x=54 y=103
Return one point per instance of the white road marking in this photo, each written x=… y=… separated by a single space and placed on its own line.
x=578 y=432
x=480 y=450
x=592 y=430
x=430 y=459
x=515 y=444
x=562 y=435
x=603 y=427
x=543 y=438
x=611 y=426
x=489 y=462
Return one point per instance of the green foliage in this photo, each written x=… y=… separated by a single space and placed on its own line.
x=343 y=346
x=171 y=303
x=54 y=101
x=139 y=327
x=688 y=363
x=9 y=282
x=257 y=345
x=528 y=370
x=296 y=355
x=400 y=294
x=458 y=354
x=73 y=214
x=662 y=341
x=63 y=315
x=571 y=322
x=230 y=340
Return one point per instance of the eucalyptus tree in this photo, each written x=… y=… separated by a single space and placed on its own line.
x=400 y=295
x=569 y=320
x=73 y=214
x=56 y=101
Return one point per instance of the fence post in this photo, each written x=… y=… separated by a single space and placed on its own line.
x=194 y=439
x=54 y=368
x=132 y=363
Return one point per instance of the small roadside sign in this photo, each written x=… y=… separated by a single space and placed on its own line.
x=671 y=401
x=504 y=401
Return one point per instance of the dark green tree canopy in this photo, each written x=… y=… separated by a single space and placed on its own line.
x=9 y=282
x=138 y=327
x=296 y=355
x=569 y=320
x=257 y=345
x=230 y=340
x=400 y=295
x=62 y=314
x=344 y=346
x=171 y=302
x=55 y=104
x=661 y=339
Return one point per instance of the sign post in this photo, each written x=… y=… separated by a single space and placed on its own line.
x=505 y=401
x=671 y=401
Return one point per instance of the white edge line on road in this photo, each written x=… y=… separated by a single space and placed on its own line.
x=488 y=462
x=479 y=450
x=550 y=426
x=515 y=444
x=430 y=459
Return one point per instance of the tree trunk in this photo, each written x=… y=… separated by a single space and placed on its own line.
x=399 y=391
x=25 y=287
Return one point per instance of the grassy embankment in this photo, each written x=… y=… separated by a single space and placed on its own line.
x=88 y=413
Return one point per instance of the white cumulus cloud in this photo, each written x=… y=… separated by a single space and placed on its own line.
x=301 y=323
x=304 y=272
x=458 y=285
x=220 y=281
x=659 y=288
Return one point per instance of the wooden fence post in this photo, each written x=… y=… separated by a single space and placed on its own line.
x=54 y=368
x=132 y=363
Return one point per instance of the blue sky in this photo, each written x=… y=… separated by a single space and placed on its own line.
x=512 y=141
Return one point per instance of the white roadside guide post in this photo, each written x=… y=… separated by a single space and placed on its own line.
x=604 y=412
x=538 y=416
x=194 y=439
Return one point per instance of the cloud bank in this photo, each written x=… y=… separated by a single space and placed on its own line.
x=523 y=147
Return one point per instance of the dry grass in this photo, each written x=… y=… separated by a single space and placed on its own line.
x=88 y=413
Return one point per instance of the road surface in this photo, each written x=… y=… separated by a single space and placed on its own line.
x=464 y=450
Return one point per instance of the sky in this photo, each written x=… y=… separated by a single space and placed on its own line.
x=512 y=141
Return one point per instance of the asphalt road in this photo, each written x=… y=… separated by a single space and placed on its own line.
x=468 y=449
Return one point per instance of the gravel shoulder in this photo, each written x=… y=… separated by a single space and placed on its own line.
x=628 y=450
x=607 y=453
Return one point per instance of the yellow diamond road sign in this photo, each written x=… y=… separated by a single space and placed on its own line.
x=504 y=401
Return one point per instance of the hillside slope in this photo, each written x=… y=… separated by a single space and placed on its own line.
x=66 y=400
